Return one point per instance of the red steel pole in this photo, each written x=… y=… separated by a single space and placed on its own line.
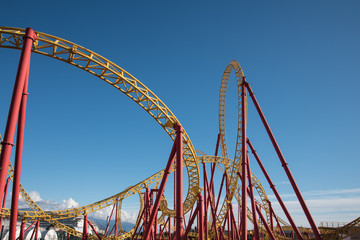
x=205 y=204
x=213 y=211
x=272 y=186
x=272 y=213
x=244 y=162
x=23 y=70
x=191 y=221
x=116 y=218
x=22 y=230
x=36 y=230
x=27 y=229
x=271 y=234
x=271 y=216
x=161 y=190
x=214 y=164
x=236 y=232
x=201 y=219
x=93 y=228
x=18 y=162
x=285 y=166
x=221 y=186
x=137 y=223
x=252 y=197
x=179 y=184
x=85 y=233
x=4 y=200
x=108 y=223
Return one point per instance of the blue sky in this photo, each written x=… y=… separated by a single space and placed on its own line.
x=86 y=141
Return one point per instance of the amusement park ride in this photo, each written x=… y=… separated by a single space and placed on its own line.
x=209 y=212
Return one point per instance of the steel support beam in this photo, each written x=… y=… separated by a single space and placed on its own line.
x=244 y=163
x=285 y=165
x=22 y=72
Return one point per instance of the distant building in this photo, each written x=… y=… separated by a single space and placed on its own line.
x=47 y=231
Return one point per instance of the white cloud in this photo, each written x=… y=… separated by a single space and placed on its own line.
x=336 y=206
x=49 y=205
x=69 y=203
x=334 y=209
x=46 y=205
x=334 y=192
x=35 y=196
x=105 y=213
x=284 y=182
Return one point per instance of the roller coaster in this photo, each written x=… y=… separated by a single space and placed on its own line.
x=204 y=213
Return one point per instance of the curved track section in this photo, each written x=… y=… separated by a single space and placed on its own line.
x=117 y=77
x=233 y=169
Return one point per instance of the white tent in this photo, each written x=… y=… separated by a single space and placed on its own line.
x=50 y=235
x=6 y=235
x=30 y=232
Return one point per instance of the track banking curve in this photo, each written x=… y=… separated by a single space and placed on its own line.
x=117 y=77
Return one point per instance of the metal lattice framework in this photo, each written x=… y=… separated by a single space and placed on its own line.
x=117 y=77
x=236 y=166
x=123 y=81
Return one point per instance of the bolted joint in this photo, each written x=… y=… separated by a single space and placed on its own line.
x=29 y=33
x=178 y=128
x=7 y=143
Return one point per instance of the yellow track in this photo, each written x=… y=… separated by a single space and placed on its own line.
x=117 y=77
x=236 y=166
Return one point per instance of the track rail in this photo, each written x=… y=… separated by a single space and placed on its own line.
x=117 y=77
x=233 y=169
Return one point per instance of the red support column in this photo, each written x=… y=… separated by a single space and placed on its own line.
x=221 y=186
x=271 y=234
x=169 y=233
x=179 y=184
x=85 y=232
x=252 y=197
x=146 y=235
x=205 y=203
x=4 y=201
x=243 y=165
x=137 y=224
x=191 y=221
x=213 y=211
x=36 y=230
x=23 y=70
x=285 y=166
x=108 y=223
x=116 y=217
x=93 y=228
x=271 y=216
x=235 y=229
x=272 y=186
x=27 y=229
x=18 y=162
x=154 y=232
x=213 y=165
x=22 y=230
x=201 y=219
